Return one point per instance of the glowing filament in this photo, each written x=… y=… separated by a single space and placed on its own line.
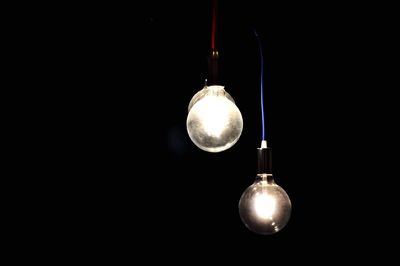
x=214 y=114
x=265 y=206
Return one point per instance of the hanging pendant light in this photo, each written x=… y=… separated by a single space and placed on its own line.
x=264 y=207
x=214 y=122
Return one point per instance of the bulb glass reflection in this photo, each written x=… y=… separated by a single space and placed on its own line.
x=214 y=122
x=264 y=207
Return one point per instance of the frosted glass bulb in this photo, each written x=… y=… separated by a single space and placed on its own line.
x=214 y=122
x=265 y=207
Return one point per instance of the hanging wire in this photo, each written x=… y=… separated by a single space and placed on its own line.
x=214 y=25
x=261 y=85
x=213 y=58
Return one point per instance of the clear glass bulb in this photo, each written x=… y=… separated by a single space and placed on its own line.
x=214 y=122
x=264 y=207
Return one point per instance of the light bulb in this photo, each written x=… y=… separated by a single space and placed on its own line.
x=214 y=122
x=264 y=207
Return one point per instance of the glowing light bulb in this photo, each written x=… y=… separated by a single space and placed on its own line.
x=214 y=122
x=264 y=207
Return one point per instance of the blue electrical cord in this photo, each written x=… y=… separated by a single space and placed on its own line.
x=261 y=85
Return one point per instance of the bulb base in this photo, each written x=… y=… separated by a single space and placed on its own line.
x=264 y=158
x=213 y=68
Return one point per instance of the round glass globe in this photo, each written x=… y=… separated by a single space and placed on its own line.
x=264 y=207
x=214 y=122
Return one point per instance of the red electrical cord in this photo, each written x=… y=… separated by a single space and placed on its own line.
x=214 y=25
x=213 y=58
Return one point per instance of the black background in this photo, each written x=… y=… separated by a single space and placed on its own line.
x=138 y=185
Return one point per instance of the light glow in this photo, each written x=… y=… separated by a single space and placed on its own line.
x=265 y=206
x=213 y=113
